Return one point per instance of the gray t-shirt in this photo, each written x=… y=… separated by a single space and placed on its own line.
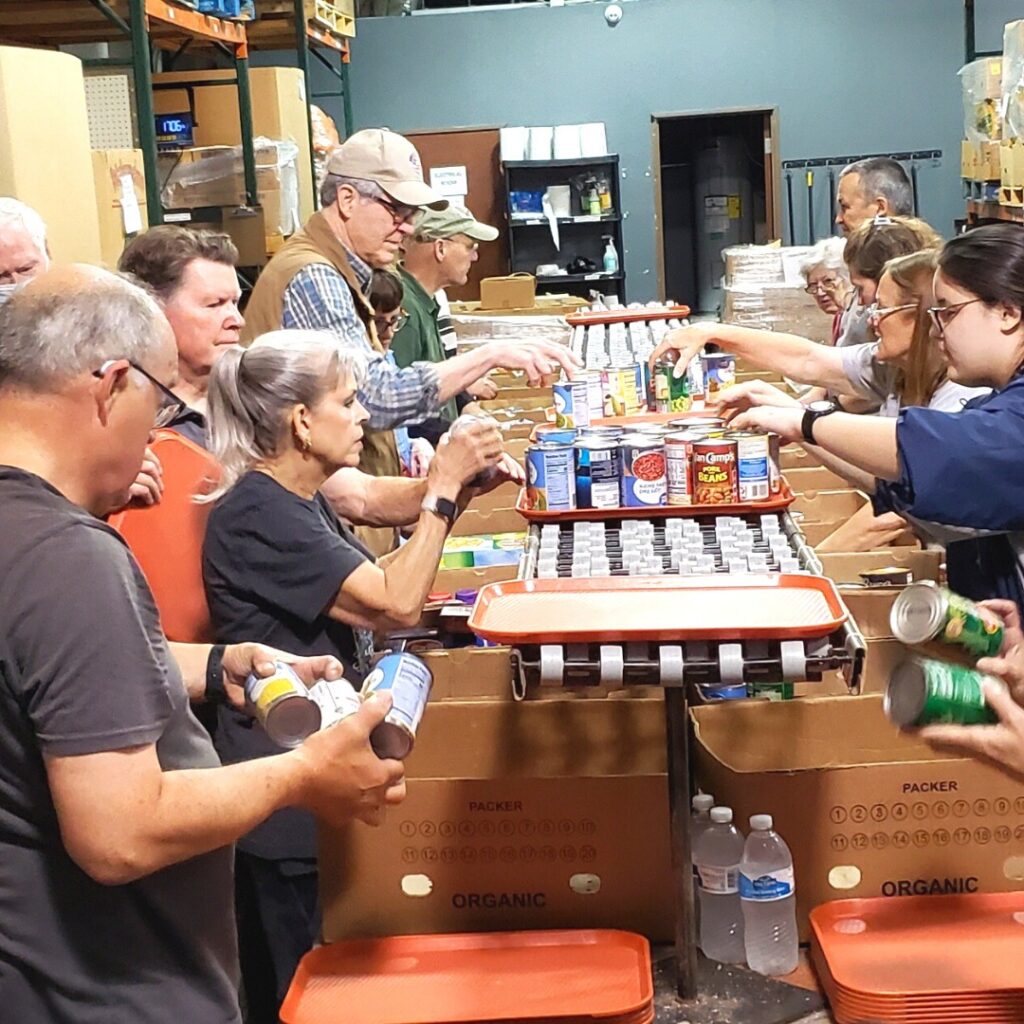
x=84 y=668
x=855 y=326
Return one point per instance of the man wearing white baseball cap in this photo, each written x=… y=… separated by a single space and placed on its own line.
x=372 y=192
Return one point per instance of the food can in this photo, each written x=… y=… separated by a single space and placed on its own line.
x=409 y=680
x=619 y=389
x=336 y=698
x=774 y=464
x=679 y=468
x=696 y=422
x=719 y=373
x=715 y=477
x=926 y=611
x=551 y=477
x=572 y=406
x=556 y=435
x=606 y=433
x=595 y=391
x=671 y=393
x=922 y=692
x=890 y=576
x=281 y=704
x=644 y=385
x=752 y=465
x=643 y=471
x=465 y=420
x=598 y=473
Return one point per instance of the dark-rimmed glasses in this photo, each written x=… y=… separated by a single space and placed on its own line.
x=170 y=407
x=400 y=214
x=941 y=315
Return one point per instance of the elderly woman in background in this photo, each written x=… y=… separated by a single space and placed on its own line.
x=828 y=281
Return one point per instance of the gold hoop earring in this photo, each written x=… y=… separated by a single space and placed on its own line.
x=307 y=445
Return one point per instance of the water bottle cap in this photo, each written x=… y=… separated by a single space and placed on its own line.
x=703 y=802
x=721 y=815
x=761 y=822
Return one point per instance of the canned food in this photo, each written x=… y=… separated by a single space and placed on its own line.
x=643 y=471
x=922 y=692
x=774 y=465
x=621 y=397
x=695 y=422
x=714 y=472
x=606 y=433
x=462 y=423
x=595 y=391
x=572 y=407
x=679 y=468
x=926 y=611
x=719 y=373
x=281 y=704
x=598 y=473
x=891 y=576
x=336 y=698
x=752 y=472
x=671 y=393
x=556 y=435
x=551 y=477
x=409 y=680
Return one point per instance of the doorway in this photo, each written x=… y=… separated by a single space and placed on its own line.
x=716 y=177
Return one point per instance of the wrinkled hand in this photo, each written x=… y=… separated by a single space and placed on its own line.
x=344 y=778
x=483 y=389
x=751 y=394
x=786 y=422
x=243 y=660
x=1008 y=665
x=507 y=469
x=1001 y=744
x=148 y=488
x=421 y=455
x=537 y=359
x=464 y=452
x=687 y=341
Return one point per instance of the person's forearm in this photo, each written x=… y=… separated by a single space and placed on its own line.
x=792 y=356
x=456 y=374
x=866 y=442
x=368 y=500
x=851 y=474
x=192 y=660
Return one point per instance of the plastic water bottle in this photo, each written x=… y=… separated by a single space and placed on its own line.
x=768 y=896
x=718 y=855
x=700 y=822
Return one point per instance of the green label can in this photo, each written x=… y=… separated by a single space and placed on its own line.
x=922 y=692
x=671 y=394
x=926 y=611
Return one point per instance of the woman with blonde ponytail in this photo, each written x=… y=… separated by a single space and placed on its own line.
x=280 y=566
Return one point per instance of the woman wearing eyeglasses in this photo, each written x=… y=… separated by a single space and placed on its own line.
x=828 y=281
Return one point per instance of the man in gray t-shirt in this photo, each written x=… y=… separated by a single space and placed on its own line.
x=116 y=819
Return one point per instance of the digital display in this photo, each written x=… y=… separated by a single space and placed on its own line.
x=174 y=131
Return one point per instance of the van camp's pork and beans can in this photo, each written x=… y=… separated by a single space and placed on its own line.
x=715 y=477
x=643 y=471
x=409 y=681
x=282 y=706
x=923 y=692
x=679 y=468
x=551 y=477
x=925 y=611
x=598 y=473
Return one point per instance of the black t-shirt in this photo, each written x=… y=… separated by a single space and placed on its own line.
x=273 y=562
x=85 y=668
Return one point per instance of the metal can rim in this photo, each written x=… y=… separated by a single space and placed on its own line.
x=922 y=596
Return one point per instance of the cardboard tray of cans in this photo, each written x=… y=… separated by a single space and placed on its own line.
x=659 y=609
x=776 y=503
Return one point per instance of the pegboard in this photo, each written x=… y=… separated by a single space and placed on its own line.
x=110 y=105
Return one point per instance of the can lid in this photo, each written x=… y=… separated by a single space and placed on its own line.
x=917 y=614
x=466 y=596
x=761 y=822
x=906 y=694
x=703 y=802
x=291 y=720
x=721 y=815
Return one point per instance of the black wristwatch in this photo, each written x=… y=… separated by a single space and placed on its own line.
x=215 y=693
x=813 y=413
x=442 y=507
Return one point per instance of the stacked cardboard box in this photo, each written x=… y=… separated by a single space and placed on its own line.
x=120 y=181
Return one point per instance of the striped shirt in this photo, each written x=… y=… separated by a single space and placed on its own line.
x=318 y=298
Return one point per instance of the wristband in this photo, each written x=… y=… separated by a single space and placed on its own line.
x=215 y=692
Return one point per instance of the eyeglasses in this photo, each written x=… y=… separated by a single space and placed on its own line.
x=386 y=323
x=171 y=406
x=879 y=314
x=826 y=284
x=941 y=315
x=400 y=214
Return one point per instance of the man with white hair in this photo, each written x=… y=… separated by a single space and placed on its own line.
x=23 y=249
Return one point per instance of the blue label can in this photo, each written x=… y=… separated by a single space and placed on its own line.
x=409 y=681
x=598 y=473
x=551 y=477
x=572 y=403
x=556 y=435
x=643 y=471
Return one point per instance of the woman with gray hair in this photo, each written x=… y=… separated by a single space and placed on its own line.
x=828 y=280
x=279 y=565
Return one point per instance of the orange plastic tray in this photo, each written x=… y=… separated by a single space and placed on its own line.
x=627 y=316
x=927 y=949
x=779 y=503
x=572 y=977
x=772 y=606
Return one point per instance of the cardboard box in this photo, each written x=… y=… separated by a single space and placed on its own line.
x=451 y=580
x=792 y=456
x=828 y=506
x=515 y=819
x=504 y=496
x=470 y=673
x=846 y=568
x=120 y=179
x=968 y=156
x=472 y=523
x=45 y=158
x=278 y=112
x=987 y=162
x=814 y=478
x=866 y=811
x=870 y=608
x=516 y=291
x=544 y=305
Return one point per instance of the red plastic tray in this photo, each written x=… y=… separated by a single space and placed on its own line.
x=627 y=316
x=565 y=976
x=618 y=609
x=779 y=503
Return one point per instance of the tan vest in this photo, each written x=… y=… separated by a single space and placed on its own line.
x=317 y=243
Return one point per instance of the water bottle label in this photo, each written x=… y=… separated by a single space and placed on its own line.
x=723 y=881
x=765 y=888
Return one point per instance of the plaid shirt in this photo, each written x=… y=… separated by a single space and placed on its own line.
x=318 y=298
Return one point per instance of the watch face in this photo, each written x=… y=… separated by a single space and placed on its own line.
x=823 y=405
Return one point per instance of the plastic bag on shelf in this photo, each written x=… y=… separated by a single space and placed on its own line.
x=1012 y=91
x=981 y=84
x=478 y=330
